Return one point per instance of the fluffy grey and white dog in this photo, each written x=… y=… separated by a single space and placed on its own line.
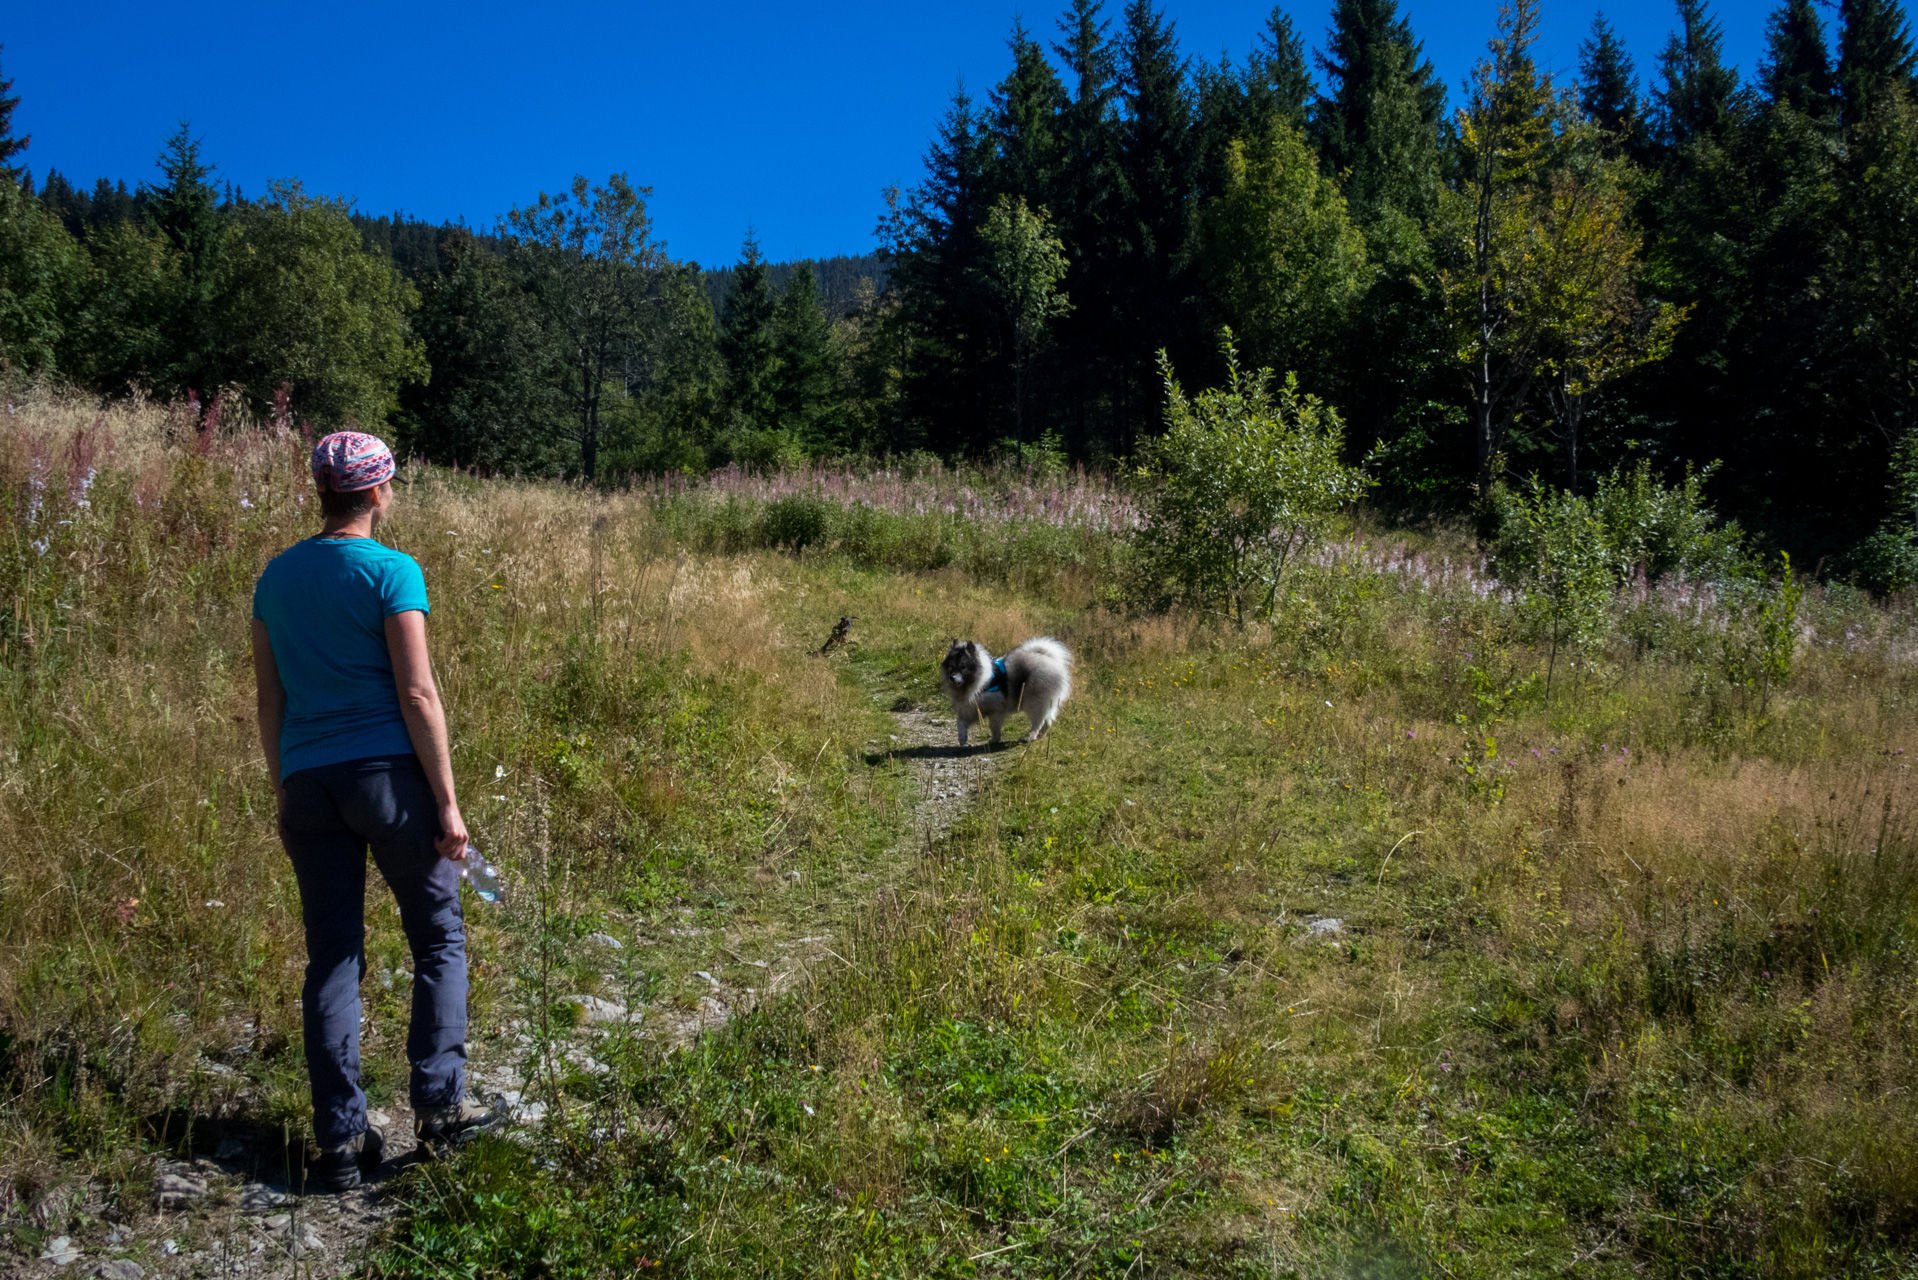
x=1035 y=678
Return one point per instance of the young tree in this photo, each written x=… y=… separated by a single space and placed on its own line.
x=1506 y=144
x=1594 y=325
x=1022 y=265
x=1278 y=258
x=1553 y=552
x=1237 y=488
x=592 y=258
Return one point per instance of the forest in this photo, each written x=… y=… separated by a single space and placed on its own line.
x=1526 y=277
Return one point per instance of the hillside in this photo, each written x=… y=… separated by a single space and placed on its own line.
x=1325 y=947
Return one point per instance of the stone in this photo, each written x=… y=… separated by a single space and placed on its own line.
x=61 y=1251
x=169 y=1247
x=1325 y=925
x=598 y=1010
x=706 y=977
x=121 y=1269
x=174 y=1190
x=606 y=940
x=258 y=1197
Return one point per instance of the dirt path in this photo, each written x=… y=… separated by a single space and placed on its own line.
x=236 y=1212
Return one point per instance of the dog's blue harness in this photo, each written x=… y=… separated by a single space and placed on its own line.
x=998 y=682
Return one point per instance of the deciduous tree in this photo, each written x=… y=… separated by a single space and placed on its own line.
x=591 y=255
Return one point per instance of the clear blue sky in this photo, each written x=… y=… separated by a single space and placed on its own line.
x=788 y=117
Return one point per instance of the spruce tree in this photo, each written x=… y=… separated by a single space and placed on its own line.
x=1875 y=55
x=805 y=376
x=1156 y=162
x=1025 y=128
x=1277 y=76
x=1608 y=88
x=1796 y=72
x=1086 y=203
x=932 y=246
x=1377 y=124
x=10 y=146
x=1696 y=98
x=183 y=209
x=746 y=342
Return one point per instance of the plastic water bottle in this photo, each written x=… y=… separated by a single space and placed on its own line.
x=481 y=874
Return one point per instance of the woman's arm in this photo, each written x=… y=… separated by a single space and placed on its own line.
x=269 y=699
x=426 y=721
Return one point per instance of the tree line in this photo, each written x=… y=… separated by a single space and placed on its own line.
x=1544 y=278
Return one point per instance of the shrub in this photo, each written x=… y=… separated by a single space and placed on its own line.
x=793 y=524
x=1553 y=550
x=1240 y=485
x=1654 y=530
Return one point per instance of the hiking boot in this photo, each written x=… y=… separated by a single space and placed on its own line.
x=441 y=1128
x=340 y=1168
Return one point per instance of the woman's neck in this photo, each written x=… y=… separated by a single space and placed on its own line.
x=356 y=526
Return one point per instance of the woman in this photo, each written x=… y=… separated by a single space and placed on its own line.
x=355 y=741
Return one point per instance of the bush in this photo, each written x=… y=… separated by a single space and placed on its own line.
x=1654 y=530
x=1241 y=484
x=793 y=524
x=1554 y=551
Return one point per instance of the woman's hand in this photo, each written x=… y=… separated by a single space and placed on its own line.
x=452 y=841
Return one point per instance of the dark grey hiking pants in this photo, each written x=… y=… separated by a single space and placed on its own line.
x=333 y=813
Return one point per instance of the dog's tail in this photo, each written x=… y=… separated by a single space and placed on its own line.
x=1051 y=648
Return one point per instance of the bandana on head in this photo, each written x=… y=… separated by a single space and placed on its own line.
x=348 y=461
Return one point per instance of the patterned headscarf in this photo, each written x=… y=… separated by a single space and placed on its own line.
x=349 y=461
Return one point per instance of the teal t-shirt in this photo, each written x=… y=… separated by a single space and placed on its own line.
x=325 y=603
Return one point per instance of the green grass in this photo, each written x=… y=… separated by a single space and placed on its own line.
x=1622 y=986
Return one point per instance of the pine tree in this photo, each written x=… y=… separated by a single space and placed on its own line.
x=1608 y=89
x=1875 y=55
x=746 y=343
x=1796 y=72
x=1377 y=124
x=1025 y=133
x=10 y=146
x=1695 y=100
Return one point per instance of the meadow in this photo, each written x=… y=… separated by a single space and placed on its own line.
x=1323 y=947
